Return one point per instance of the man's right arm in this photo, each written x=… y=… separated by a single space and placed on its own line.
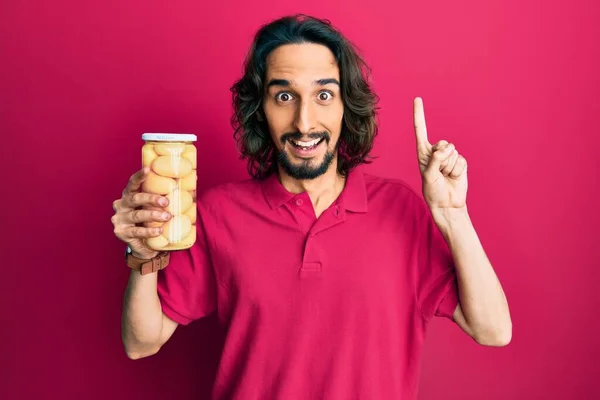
x=145 y=328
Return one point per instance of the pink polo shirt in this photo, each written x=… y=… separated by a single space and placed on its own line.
x=328 y=308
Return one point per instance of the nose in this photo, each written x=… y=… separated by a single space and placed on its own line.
x=306 y=118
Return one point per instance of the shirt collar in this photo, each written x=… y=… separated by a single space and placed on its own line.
x=352 y=198
x=275 y=194
x=354 y=195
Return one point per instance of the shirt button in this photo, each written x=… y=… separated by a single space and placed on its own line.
x=299 y=202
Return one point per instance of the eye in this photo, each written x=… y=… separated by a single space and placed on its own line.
x=283 y=97
x=325 y=96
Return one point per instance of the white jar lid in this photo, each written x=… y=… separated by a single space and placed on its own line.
x=170 y=137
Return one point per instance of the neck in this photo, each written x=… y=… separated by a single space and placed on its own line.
x=323 y=190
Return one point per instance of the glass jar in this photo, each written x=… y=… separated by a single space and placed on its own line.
x=172 y=160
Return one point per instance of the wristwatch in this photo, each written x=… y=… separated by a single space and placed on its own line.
x=145 y=265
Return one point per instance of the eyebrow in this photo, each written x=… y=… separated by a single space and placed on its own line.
x=286 y=83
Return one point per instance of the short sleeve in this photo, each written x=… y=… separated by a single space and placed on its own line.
x=436 y=284
x=187 y=287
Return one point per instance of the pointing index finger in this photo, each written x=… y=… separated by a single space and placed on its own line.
x=419 y=122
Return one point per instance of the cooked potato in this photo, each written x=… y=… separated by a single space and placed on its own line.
x=169 y=149
x=172 y=167
x=148 y=155
x=179 y=202
x=177 y=228
x=157 y=243
x=188 y=182
x=158 y=184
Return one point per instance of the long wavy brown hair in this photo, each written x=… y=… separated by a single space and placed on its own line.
x=251 y=131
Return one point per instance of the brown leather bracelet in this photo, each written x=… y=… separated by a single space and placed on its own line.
x=147 y=266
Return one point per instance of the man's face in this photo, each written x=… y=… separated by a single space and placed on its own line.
x=304 y=108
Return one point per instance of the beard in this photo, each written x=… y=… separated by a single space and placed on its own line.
x=304 y=170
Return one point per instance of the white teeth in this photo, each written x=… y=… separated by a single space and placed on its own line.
x=306 y=144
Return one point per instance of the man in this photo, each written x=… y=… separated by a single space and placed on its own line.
x=324 y=278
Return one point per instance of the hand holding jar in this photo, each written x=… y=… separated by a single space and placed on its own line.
x=158 y=209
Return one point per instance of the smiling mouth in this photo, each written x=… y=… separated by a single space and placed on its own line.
x=310 y=145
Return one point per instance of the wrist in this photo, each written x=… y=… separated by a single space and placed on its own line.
x=450 y=219
x=145 y=256
x=146 y=262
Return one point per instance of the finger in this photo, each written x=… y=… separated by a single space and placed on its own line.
x=460 y=168
x=143 y=199
x=438 y=157
x=142 y=216
x=439 y=145
x=141 y=232
x=135 y=181
x=444 y=160
x=122 y=220
x=450 y=163
x=419 y=123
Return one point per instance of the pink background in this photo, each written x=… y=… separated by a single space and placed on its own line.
x=513 y=84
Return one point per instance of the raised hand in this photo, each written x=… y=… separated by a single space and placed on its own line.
x=443 y=170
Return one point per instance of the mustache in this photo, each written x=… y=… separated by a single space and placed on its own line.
x=298 y=135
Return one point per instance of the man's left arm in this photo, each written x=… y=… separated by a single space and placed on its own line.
x=482 y=311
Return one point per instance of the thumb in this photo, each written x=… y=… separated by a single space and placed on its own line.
x=435 y=163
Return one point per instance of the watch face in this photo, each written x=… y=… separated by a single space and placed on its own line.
x=128 y=250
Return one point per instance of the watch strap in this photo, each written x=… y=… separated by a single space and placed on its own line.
x=148 y=266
